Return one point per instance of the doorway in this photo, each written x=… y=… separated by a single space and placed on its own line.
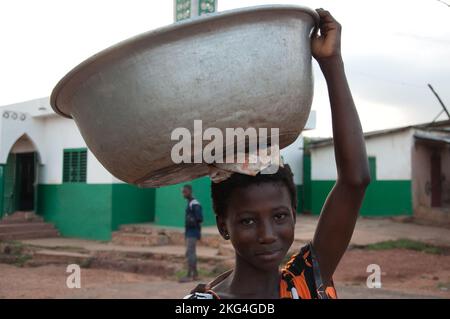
x=19 y=187
x=436 y=179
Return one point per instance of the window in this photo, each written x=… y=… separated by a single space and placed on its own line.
x=74 y=165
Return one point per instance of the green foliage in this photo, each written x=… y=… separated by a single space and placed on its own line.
x=406 y=244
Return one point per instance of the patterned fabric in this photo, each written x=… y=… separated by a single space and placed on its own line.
x=300 y=279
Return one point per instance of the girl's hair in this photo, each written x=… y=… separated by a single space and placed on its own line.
x=221 y=192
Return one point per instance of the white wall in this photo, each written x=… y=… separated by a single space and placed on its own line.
x=61 y=133
x=50 y=134
x=13 y=125
x=35 y=108
x=392 y=152
x=293 y=155
x=23 y=145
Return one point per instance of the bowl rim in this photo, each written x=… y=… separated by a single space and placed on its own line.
x=124 y=44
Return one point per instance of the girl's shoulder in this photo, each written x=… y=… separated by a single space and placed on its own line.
x=205 y=291
x=301 y=279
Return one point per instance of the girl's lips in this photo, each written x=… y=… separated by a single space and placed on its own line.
x=269 y=255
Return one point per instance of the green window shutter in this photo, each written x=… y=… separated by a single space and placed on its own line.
x=66 y=167
x=74 y=165
x=83 y=166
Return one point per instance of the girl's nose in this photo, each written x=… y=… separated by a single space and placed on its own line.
x=266 y=234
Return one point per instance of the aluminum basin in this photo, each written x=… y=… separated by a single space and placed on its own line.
x=249 y=67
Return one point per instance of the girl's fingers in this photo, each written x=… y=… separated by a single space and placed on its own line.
x=323 y=13
x=327 y=22
x=325 y=16
x=324 y=28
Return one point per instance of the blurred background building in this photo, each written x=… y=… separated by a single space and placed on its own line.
x=409 y=167
x=45 y=167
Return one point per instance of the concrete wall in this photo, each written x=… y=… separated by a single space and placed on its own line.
x=421 y=184
x=89 y=210
x=14 y=125
x=170 y=205
x=61 y=133
x=95 y=208
x=293 y=155
x=390 y=190
x=392 y=153
x=445 y=157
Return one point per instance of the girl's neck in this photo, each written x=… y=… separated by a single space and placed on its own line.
x=249 y=282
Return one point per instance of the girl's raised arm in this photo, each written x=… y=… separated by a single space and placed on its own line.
x=339 y=213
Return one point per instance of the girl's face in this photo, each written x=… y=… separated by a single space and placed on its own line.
x=260 y=222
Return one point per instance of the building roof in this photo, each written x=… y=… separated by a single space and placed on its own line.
x=35 y=108
x=433 y=137
x=439 y=126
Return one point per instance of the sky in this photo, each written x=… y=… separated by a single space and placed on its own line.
x=391 y=50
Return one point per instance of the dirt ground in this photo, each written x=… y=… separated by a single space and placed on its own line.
x=405 y=274
x=404 y=271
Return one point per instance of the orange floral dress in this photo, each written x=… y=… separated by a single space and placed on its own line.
x=300 y=279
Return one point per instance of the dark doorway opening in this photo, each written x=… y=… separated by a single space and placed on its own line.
x=25 y=175
x=436 y=180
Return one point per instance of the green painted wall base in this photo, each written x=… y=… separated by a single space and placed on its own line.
x=93 y=211
x=77 y=210
x=170 y=205
x=383 y=198
x=131 y=204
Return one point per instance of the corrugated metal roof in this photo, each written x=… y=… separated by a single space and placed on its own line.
x=441 y=126
x=433 y=137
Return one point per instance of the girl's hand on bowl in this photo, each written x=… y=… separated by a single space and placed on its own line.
x=327 y=44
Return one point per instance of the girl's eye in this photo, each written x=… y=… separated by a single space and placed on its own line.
x=247 y=221
x=280 y=216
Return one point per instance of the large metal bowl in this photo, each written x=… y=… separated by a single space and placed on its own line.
x=248 y=67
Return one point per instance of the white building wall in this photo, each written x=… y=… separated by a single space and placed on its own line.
x=13 y=125
x=293 y=154
x=97 y=173
x=392 y=152
x=50 y=134
x=323 y=166
x=61 y=133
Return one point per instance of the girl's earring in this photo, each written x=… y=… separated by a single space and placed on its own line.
x=227 y=236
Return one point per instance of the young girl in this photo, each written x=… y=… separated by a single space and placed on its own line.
x=257 y=213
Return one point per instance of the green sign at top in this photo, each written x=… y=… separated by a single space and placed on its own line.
x=206 y=6
x=185 y=9
x=182 y=9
